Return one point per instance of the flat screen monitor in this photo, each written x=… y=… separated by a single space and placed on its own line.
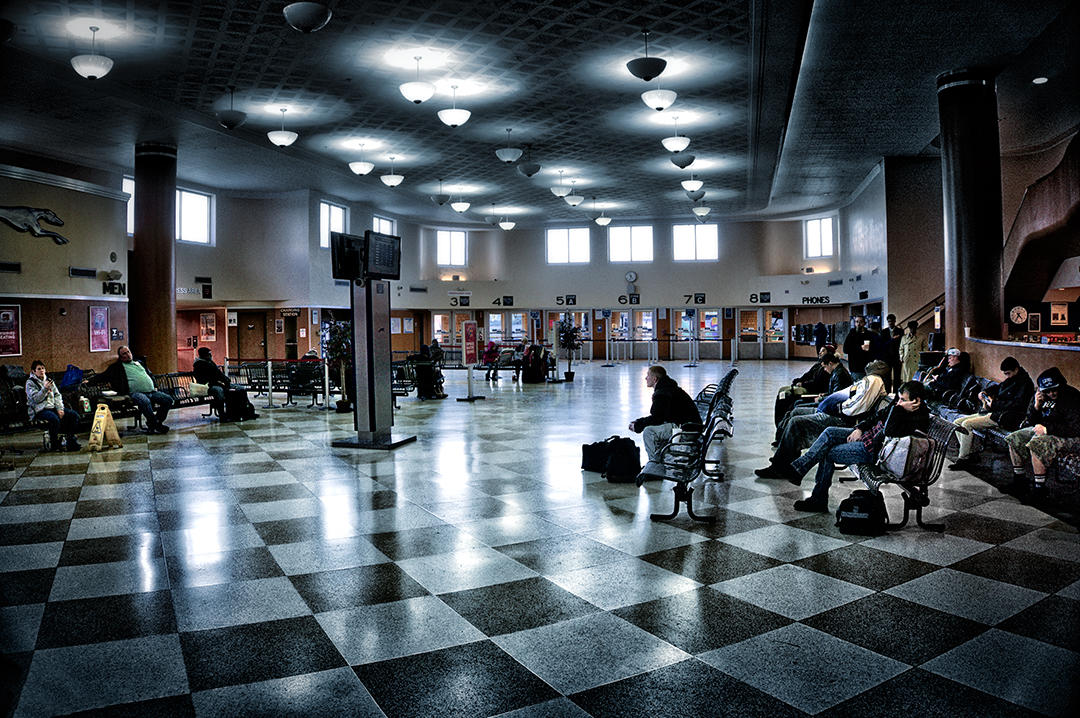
x=382 y=260
x=346 y=251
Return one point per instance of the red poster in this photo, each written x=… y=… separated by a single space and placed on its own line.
x=99 y=329
x=10 y=330
x=469 y=350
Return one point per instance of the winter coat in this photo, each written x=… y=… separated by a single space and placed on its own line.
x=1013 y=397
x=1061 y=417
x=911 y=346
x=670 y=405
x=38 y=398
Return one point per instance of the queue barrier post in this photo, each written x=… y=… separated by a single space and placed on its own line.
x=270 y=385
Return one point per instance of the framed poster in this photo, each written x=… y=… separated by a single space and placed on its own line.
x=99 y=329
x=208 y=327
x=230 y=319
x=1059 y=315
x=279 y=326
x=10 y=330
x=314 y=316
x=1034 y=322
x=395 y=325
x=407 y=325
x=729 y=312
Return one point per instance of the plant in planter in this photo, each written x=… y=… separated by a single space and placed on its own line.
x=337 y=342
x=570 y=341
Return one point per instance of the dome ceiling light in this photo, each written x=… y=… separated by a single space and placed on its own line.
x=695 y=195
x=602 y=220
x=417 y=91
x=508 y=154
x=646 y=67
x=92 y=66
x=560 y=190
x=701 y=212
x=441 y=198
x=231 y=118
x=677 y=142
x=393 y=179
x=527 y=166
x=461 y=205
x=507 y=224
x=573 y=199
x=692 y=185
x=682 y=161
x=282 y=137
x=361 y=167
x=307 y=17
x=454 y=117
x=658 y=99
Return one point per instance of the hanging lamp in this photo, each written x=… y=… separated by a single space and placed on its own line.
x=461 y=205
x=646 y=67
x=692 y=185
x=393 y=179
x=282 y=137
x=701 y=211
x=231 y=118
x=453 y=116
x=560 y=190
x=677 y=142
x=528 y=166
x=417 y=91
x=507 y=224
x=361 y=167
x=508 y=154
x=307 y=17
x=658 y=99
x=602 y=220
x=573 y=199
x=441 y=198
x=92 y=66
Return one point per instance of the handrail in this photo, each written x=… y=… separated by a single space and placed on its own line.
x=920 y=314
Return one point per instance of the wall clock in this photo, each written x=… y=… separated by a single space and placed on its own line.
x=1018 y=315
x=631 y=276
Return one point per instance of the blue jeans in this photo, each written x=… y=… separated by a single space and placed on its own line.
x=830 y=448
x=146 y=403
x=68 y=424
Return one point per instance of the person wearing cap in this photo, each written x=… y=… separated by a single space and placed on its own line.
x=950 y=374
x=1050 y=429
x=814 y=381
x=857 y=347
x=205 y=371
x=1003 y=407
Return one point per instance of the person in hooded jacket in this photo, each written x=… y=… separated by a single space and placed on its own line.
x=1004 y=407
x=1051 y=428
x=671 y=408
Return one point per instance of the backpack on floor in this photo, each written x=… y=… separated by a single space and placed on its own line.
x=862 y=514
x=594 y=456
x=237 y=406
x=624 y=462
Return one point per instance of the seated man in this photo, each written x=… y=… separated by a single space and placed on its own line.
x=126 y=376
x=207 y=372
x=839 y=378
x=429 y=380
x=814 y=381
x=838 y=445
x=436 y=352
x=44 y=402
x=950 y=375
x=671 y=408
x=1050 y=429
x=1004 y=408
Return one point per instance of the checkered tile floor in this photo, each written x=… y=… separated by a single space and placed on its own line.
x=252 y=569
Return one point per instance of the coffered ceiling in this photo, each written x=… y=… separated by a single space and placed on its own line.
x=788 y=108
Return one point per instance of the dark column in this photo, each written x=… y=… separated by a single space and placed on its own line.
x=152 y=309
x=971 y=189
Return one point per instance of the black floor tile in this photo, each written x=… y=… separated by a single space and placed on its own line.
x=226 y=567
x=414 y=543
x=983 y=528
x=146 y=545
x=13 y=670
x=172 y=707
x=21 y=587
x=477 y=679
x=215 y=482
x=517 y=605
x=309 y=528
x=276 y=492
x=561 y=553
x=689 y=688
x=956 y=500
x=701 y=620
x=50 y=470
x=727 y=522
x=110 y=618
x=41 y=496
x=361 y=586
x=1054 y=619
x=92 y=508
x=868 y=567
x=257 y=652
x=186 y=519
x=926 y=695
x=123 y=476
x=1041 y=573
x=512 y=484
x=34 y=532
x=710 y=561
x=896 y=628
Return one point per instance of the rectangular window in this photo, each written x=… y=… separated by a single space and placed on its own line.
x=129 y=187
x=382 y=225
x=568 y=246
x=451 y=248
x=331 y=219
x=630 y=244
x=819 y=237
x=695 y=243
x=193 y=211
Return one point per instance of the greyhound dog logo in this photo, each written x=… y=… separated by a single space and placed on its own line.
x=28 y=219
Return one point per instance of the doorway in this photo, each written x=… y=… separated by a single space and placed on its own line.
x=251 y=336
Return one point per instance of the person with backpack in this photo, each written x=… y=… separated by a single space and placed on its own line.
x=839 y=445
x=671 y=408
x=44 y=402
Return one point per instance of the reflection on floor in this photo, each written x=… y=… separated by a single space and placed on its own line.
x=252 y=569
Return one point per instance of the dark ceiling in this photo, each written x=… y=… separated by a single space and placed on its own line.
x=787 y=110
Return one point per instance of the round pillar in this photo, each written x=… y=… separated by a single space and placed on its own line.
x=152 y=307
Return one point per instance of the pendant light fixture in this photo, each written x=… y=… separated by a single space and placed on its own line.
x=701 y=212
x=92 y=66
x=454 y=117
x=602 y=220
x=677 y=142
x=573 y=199
x=508 y=154
x=528 y=166
x=560 y=190
x=361 y=167
x=507 y=224
x=230 y=119
x=417 y=91
x=393 y=179
x=492 y=218
x=461 y=205
x=282 y=137
x=646 y=67
x=683 y=161
x=692 y=185
x=441 y=198
x=658 y=99
x=307 y=17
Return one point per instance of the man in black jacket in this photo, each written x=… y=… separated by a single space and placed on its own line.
x=207 y=372
x=858 y=347
x=1004 y=407
x=814 y=381
x=840 y=445
x=671 y=408
x=1050 y=429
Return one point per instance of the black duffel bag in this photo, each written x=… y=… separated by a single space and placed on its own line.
x=594 y=456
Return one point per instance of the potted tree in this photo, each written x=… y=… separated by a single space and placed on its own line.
x=337 y=340
x=570 y=341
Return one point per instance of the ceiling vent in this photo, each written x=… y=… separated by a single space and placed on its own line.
x=82 y=272
x=11 y=267
x=418 y=290
x=204 y=280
